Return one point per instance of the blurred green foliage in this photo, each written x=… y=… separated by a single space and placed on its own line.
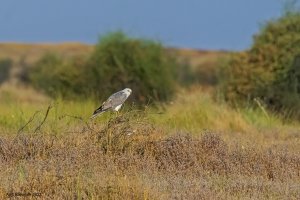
x=143 y=65
x=270 y=69
x=5 y=67
x=117 y=62
x=59 y=77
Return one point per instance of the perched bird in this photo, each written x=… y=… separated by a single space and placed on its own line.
x=114 y=102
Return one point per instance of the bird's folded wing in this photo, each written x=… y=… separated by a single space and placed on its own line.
x=117 y=98
x=107 y=104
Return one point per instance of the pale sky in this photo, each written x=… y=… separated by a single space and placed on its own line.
x=202 y=24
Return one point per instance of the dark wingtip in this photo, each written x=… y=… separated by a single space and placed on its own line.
x=93 y=116
x=97 y=112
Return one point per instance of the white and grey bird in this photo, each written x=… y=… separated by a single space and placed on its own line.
x=114 y=102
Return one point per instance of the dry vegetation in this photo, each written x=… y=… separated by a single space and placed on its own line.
x=140 y=155
x=130 y=159
x=29 y=53
x=127 y=158
x=192 y=148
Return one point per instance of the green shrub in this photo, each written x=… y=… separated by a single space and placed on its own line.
x=116 y=63
x=270 y=69
x=5 y=66
x=59 y=77
x=143 y=65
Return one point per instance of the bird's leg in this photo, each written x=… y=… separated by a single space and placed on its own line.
x=117 y=113
x=117 y=110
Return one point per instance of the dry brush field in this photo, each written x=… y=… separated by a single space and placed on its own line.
x=147 y=154
x=191 y=148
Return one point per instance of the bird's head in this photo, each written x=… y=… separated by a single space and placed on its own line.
x=128 y=91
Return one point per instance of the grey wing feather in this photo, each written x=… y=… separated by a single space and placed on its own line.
x=117 y=99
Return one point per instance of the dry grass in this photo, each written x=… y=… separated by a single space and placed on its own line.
x=127 y=157
x=195 y=149
x=30 y=53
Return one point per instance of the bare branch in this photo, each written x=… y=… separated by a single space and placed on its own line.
x=29 y=121
x=46 y=115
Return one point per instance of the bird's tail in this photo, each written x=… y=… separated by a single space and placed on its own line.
x=97 y=112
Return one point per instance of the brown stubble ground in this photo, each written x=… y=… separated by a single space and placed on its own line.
x=129 y=158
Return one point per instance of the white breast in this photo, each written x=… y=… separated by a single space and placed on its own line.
x=117 y=108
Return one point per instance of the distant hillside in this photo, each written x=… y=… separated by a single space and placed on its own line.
x=203 y=63
x=30 y=53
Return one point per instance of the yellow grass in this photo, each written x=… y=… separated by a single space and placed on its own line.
x=30 y=53
x=190 y=148
x=194 y=148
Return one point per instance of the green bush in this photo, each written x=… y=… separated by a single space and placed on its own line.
x=116 y=63
x=270 y=69
x=59 y=77
x=119 y=61
x=5 y=66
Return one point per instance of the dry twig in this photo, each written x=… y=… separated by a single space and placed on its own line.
x=29 y=121
x=46 y=115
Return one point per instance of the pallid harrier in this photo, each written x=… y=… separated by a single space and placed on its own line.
x=114 y=102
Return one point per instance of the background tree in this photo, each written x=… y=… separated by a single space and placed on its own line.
x=270 y=69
